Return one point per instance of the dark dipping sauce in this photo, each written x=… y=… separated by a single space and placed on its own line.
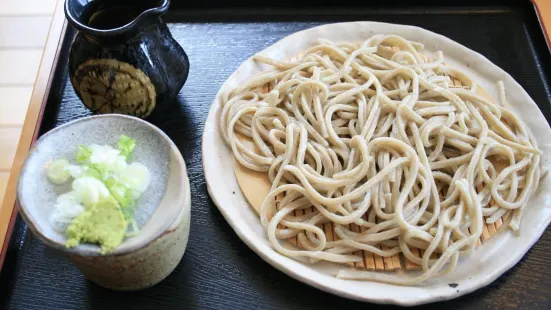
x=112 y=14
x=112 y=17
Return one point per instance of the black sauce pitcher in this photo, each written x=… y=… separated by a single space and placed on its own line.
x=123 y=58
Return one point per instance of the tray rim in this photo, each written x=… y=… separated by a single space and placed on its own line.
x=58 y=31
x=543 y=11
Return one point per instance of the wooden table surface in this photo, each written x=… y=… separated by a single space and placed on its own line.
x=24 y=26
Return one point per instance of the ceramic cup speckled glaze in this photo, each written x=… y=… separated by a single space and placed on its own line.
x=162 y=213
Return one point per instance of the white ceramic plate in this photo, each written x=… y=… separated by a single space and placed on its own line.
x=486 y=264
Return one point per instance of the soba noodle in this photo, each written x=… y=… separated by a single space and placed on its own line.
x=377 y=135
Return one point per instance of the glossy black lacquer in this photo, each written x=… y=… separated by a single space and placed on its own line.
x=218 y=270
x=131 y=45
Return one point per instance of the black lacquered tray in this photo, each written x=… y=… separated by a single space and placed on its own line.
x=219 y=271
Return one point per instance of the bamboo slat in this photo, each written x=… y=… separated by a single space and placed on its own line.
x=255 y=192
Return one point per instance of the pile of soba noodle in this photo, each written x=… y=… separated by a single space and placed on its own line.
x=375 y=134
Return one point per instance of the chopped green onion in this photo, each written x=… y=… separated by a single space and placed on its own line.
x=102 y=174
x=136 y=176
x=94 y=172
x=83 y=154
x=134 y=230
x=123 y=195
x=77 y=171
x=57 y=173
x=89 y=190
x=99 y=172
x=126 y=145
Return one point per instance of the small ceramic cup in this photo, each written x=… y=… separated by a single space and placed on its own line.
x=162 y=213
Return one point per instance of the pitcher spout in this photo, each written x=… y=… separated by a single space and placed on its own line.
x=89 y=16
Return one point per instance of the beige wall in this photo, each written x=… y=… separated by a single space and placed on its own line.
x=24 y=26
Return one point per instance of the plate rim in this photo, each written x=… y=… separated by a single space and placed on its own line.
x=283 y=263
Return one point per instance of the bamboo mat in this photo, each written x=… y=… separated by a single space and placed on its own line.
x=255 y=186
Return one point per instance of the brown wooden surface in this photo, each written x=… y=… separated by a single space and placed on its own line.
x=543 y=8
x=28 y=132
x=24 y=27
